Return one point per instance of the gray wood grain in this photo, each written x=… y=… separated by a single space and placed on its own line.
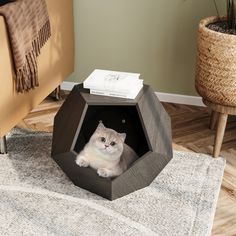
x=67 y=121
x=154 y=123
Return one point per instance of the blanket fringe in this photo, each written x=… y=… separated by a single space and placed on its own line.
x=27 y=75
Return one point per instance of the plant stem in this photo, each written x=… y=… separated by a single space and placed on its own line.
x=231 y=14
x=216 y=8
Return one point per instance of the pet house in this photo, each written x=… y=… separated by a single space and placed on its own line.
x=143 y=119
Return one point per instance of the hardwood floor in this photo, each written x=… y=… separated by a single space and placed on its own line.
x=190 y=130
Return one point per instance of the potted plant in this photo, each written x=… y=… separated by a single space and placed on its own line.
x=216 y=58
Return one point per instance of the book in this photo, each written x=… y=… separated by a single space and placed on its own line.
x=131 y=95
x=113 y=81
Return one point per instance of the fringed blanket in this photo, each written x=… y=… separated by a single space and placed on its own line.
x=29 y=28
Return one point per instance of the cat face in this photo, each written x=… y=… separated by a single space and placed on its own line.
x=108 y=142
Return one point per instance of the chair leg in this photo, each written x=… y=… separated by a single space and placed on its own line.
x=58 y=96
x=214 y=118
x=3 y=145
x=220 y=133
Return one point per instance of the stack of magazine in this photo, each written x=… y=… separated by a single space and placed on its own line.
x=114 y=83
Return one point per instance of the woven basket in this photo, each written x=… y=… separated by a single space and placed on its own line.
x=216 y=65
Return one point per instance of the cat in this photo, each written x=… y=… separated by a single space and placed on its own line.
x=107 y=153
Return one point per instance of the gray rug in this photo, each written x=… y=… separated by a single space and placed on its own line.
x=38 y=199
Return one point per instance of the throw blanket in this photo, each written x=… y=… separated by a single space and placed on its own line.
x=29 y=28
x=3 y=2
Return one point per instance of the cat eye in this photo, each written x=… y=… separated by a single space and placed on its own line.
x=112 y=143
x=103 y=139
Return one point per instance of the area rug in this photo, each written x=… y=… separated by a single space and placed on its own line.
x=36 y=198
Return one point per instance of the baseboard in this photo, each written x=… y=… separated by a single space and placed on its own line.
x=68 y=86
x=180 y=99
x=163 y=97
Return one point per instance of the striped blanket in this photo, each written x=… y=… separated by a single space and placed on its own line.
x=29 y=28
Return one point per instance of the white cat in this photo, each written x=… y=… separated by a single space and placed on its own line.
x=107 y=153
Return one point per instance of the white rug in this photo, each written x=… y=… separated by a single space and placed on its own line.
x=38 y=199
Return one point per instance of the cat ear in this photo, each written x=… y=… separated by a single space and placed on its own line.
x=122 y=136
x=100 y=126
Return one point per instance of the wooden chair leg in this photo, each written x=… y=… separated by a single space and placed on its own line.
x=3 y=145
x=56 y=94
x=222 y=120
x=214 y=118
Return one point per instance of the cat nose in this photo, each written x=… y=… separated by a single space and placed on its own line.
x=106 y=145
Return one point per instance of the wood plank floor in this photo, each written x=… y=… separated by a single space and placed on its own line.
x=190 y=133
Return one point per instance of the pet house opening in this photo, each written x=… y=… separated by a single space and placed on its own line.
x=122 y=119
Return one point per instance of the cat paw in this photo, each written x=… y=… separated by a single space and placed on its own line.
x=81 y=162
x=104 y=173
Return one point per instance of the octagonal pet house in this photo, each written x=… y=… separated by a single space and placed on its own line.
x=148 y=132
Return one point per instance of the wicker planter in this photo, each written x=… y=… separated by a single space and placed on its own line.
x=216 y=65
